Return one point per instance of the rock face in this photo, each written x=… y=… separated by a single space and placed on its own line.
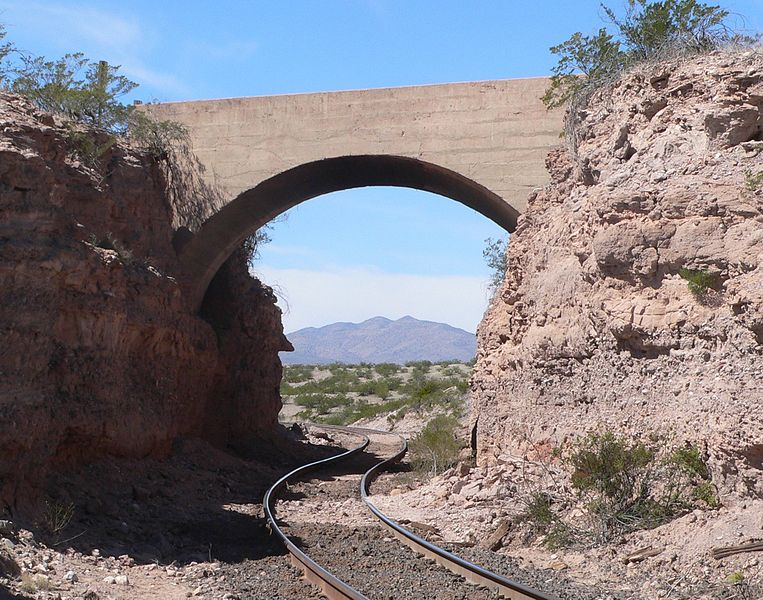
x=99 y=352
x=594 y=327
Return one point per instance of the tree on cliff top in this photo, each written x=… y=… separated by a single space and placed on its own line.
x=648 y=30
x=85 y=91
x=6 y=50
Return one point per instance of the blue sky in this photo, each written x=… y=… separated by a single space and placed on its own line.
x=356 y=254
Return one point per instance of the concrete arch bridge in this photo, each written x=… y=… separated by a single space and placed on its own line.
x=482 y=144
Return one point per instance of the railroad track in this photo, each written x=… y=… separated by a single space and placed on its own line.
x=335 y=588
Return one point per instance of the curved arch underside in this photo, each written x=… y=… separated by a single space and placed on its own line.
x=222 y=233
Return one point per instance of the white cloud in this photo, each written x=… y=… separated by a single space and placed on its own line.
x=316 y=298
x=101 y=35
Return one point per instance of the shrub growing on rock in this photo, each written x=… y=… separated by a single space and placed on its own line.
x=81 y=90
x=436 y=447
x=648 y=31
x=620 y=486
x=699 y=282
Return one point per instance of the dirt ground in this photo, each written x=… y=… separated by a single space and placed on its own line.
x=188 y=526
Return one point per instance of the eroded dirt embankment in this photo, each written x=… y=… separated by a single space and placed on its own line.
x=100 y=356
x=595 y=328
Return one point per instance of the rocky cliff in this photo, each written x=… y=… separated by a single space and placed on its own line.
x=100 y=354
x=597 y=325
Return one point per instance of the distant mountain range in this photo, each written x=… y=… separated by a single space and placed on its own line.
x=380 y=340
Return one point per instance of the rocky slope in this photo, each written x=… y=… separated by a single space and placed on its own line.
x=380 y=340
x=100 y=354
x=594 y=327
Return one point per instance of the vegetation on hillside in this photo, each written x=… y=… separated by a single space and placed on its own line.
x=342 y=394
x=436 y=447
x=646 y=31
x=619 y=485
x=89 y=98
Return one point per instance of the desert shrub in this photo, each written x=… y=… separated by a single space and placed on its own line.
x=699 y=282
x=297 y=373
x=361 y=409
x=495 y=255
x=88 y=146
x=387 y=369
x=436 y=447
x=251 y=245
x=545 y=520
x=84 y=91
x=6 y=50
x=156 y=137
x=56 y=516
x=322 y=403
x=753 y=180
x=625 y=487
x=381 y=389
x=421 y=392
x=393 y=383
x=419 y=364
x=648 y=31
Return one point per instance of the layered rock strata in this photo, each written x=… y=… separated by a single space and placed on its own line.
x=596 y=326
x=100 y=354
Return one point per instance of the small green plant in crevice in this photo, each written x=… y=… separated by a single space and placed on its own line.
x=436 y=447
x=736 y=578
x=699 y=282
x=89 y=147
x=545 y=520
x=753 y=180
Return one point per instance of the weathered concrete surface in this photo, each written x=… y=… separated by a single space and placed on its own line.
x=482 y=144
x=495 y=133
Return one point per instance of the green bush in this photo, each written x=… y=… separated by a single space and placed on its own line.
x=76 y=88
x=699 y=282
x=297 y=373
x=495 y=254
x=544 y=520
x=88 y=93
x=387 y=369
x=435 y=448
x=421 y=392
x=6 y=49
x=87 y=146
x=648 y=31
x=753 y=181
x=322 y=403
x=381 y=389
x=155 y=137
x=626 y=488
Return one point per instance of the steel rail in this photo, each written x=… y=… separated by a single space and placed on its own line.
x=336 y=589
x=475 y=574
x=331 y=586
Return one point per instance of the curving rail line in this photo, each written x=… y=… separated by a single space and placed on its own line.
x=333 y=587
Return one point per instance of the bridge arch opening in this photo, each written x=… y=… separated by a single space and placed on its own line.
x=223 y=232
